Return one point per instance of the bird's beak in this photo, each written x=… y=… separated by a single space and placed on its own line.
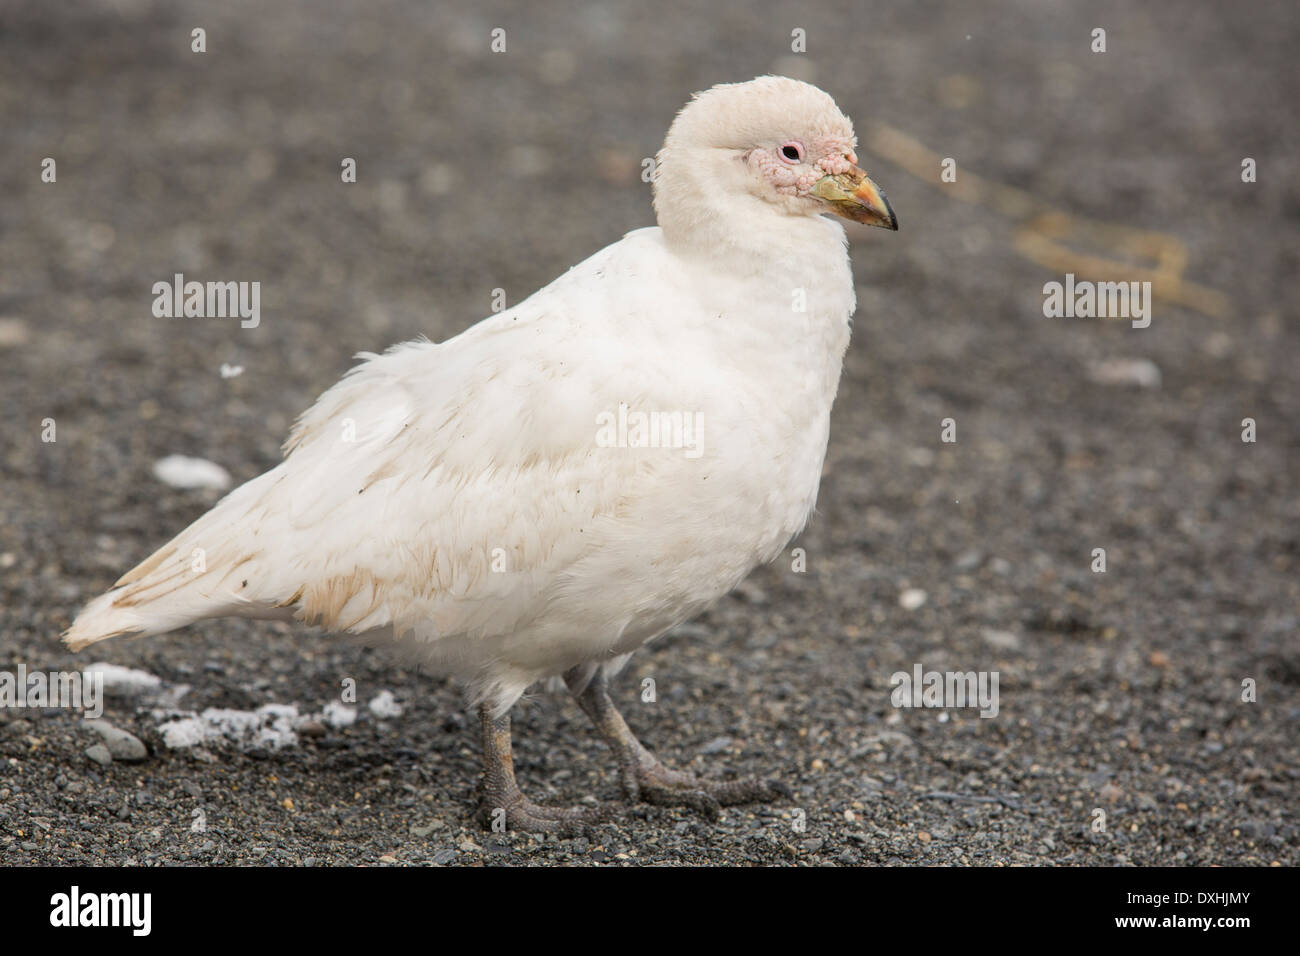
x=854 y=196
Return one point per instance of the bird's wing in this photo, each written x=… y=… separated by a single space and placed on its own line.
x=442 y=487
x=437 y=488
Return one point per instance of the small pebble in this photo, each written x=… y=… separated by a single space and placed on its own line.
x=1003 y=640
x=912 y=598
x=180 y=471
x=124 y=681
x=13 y=333
x=122 y=745
x=1125 y=371
x=716 y=746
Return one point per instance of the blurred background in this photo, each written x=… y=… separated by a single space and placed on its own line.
x=479 y=170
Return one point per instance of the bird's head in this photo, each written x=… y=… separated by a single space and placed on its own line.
x=772 y=145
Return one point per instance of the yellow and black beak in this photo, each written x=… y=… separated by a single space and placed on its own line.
x=854 y=196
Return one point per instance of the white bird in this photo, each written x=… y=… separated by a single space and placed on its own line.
x=564 y=481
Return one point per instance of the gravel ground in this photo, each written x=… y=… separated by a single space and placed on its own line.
x=1119 y=691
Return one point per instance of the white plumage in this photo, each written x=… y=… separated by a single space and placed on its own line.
x=458 y=501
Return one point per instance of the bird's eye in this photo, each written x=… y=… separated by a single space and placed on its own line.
x=792 y=152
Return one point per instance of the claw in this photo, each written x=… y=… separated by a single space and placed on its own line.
x=647 y=780
x=699 y=800
x=525 y=816
x=753 y=790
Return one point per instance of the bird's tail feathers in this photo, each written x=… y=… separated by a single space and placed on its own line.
x=211 y=569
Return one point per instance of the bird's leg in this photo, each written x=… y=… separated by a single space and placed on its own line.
x=501 y=794
x=644 y=778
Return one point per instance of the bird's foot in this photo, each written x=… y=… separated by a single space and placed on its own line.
x=644 y=778
x=503 y=805
x=514 y=811
x=651 y=782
